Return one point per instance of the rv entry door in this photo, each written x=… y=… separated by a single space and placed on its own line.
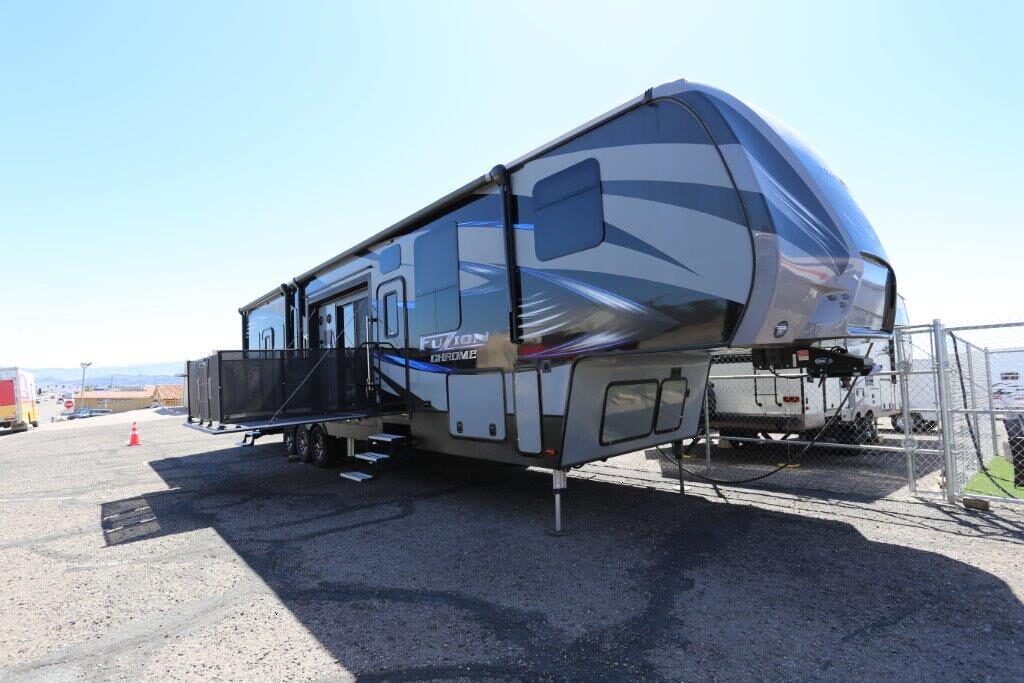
x=391 y=349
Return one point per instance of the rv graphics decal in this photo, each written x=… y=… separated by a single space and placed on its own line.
x=452 y=346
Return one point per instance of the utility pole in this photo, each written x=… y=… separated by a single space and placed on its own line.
x=81 y=395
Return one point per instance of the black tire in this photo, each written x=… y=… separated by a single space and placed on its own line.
x=302 y=445
x=35 y=423
x=288 y=439
x=897 y=423
x=865 y=430
x=320 y=447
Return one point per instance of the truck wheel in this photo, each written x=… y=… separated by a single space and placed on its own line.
x=288 y=439
x=865 y=430
x=897 y=423
x=35 y=423
x=302 y=445
x=873 y=428
x=321 y=447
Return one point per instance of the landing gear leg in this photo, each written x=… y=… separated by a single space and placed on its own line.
x=248 y=439
x=559 y=482
x=677 y=453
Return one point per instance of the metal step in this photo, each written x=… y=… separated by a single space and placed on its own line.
x=372 y=457
x=356 y=476
x=387 y=438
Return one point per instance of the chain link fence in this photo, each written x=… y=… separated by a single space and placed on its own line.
x=985 y=364
x=934 y=418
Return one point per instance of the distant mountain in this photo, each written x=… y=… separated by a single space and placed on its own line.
x=111 y=375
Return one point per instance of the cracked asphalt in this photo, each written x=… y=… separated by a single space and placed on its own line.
x=190 y=558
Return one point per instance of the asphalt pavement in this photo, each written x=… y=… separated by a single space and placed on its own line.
x=190 y=558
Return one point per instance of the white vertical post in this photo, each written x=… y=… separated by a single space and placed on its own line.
x=988 y=403
x=903 y=366
x=942 y=382
x=970 y=377
x=707 y=429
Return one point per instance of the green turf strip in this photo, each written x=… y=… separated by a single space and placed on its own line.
x=1002 y=471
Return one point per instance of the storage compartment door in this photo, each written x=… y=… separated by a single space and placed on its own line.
x=476 y=405
x=526 y=396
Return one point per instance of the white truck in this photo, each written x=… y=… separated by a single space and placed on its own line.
x=18 y=408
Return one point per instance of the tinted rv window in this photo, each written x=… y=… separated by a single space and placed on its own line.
x=436 y=264
x=670 y=405
x=567 y=212
x=628 y=411
x=391 y=258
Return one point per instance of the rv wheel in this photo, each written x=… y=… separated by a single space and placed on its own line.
x=302 y=448
x=289 y=441
x=320 y=447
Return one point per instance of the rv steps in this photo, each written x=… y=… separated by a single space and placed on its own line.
x=372 y=457
x=388 y=447
x=356 y=476
x=387 y=438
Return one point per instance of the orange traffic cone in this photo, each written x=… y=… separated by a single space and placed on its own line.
x=133 y=440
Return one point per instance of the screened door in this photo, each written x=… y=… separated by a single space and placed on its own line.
x=353 y=315
x=341 y=329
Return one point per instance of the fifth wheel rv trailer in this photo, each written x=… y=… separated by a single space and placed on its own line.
x=562 y=308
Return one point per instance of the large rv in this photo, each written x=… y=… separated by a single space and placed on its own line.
x=562 y=308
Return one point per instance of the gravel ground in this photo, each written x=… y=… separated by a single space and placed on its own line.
x=190 y=558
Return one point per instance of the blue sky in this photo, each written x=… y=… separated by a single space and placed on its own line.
x=163 y=164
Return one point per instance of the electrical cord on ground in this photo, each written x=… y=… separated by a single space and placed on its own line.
x=789 y=457
x=967 y=416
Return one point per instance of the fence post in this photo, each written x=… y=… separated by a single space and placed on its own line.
x=707 y=429
x=942 y=376
x=903 y=366
x=988 y=403
x=970 y=379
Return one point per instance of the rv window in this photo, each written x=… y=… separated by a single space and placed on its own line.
x=670 y=406
x=1009 y=376
x=391 y=258
x=391 y=314
x=567 y=212
x=436 y=266
x=628 y=411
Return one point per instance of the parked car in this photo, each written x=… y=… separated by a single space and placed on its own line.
x=88 y=412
